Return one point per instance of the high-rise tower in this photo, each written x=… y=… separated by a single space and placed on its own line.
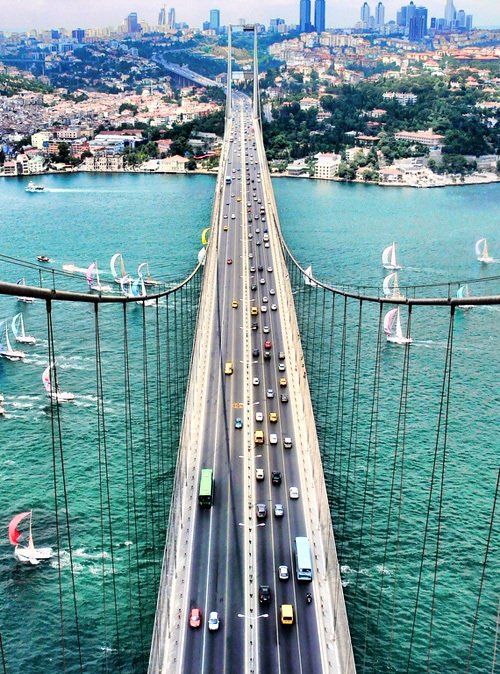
x=305 y=16
x=380 y=15
x=319 y=16
x=171 y=18
x=450 y=13
x=215 y=19
x=365 y=13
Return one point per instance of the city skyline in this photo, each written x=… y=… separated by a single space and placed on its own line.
x=45 y=14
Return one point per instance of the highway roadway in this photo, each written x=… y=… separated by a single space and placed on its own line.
x=230 y=556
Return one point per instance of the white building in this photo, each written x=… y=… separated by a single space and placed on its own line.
x=326 y=166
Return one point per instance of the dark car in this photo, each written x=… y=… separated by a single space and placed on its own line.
x=255 y=352
x=255 y=326
x=284 y=398
x=276 y=477
x=254 y=286
x=264 y=594
x=260 y=267
x=261 y=510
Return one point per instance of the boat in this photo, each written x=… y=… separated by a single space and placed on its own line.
x=20 y=298
x=126 y=284
x=463 y=293
x=397 y=336
x=2 y=411
x=482 y=252
x=90 y=278
x=389 y=258
x=148 y=281
x=392 y=292
x=54 y=392
x=308 y=280
x=139 y=290
x=43 y=258
x=6 y=350
x=113 y=264
x=34 y=189
x=27 y=554
x=19 y=332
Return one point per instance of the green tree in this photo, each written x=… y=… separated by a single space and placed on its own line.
x=191 y=165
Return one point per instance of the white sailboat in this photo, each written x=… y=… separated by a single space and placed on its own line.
x=126 y=285
x=392 y=292
x=463 y=293
x=397 y=336
x=482 y=252
x=54 y=392
x=139 y=290
x=28 y=300
x=148 y=280
x=308 y=280
x=6 y=350
x=113 y=264
x=19 y=332
x=389 y=258
x=91 y=271
x=27 y=554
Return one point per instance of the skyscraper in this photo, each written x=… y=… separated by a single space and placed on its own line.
x=214 y=19
x=132 y=23
x=468 y=21
x=417 y=24
x=365 y=13
x=305 y=16
x=162 y=17
x=380 y=15
x=319 y=16
x=171 y=18
x=449 y=14
x=461 y=18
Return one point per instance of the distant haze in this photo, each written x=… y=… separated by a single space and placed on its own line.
x=42 y=14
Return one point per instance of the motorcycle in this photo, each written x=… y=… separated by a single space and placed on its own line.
x=309 y=597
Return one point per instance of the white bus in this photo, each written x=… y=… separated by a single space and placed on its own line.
x=303 y=561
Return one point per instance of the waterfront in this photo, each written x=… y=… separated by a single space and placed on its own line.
x=341 y=229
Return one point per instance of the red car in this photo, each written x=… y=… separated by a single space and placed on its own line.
x=268 y=345
x=230 y=261
x=195 y=617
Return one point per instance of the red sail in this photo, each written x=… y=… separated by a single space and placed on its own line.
x=14 y=534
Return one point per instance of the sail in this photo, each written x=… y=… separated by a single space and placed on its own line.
x=112 y=264
x=399 y=330
x=386 y=255
x=139 y=269
x=46 y=379
x=7 y=340
x=14 y=534
x=388 y=318
x=387 y=284
x=202 y=255
x=308 y=277
x=18 y=326
x=479 y=250
x=21 y=282
x=204 y=236
x=135 y=287
x=90 y=274
x=462 y=292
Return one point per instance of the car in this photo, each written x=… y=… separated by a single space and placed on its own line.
x=270 y=270
x=254 y=286
x=281 y=367
x=268 y=344
x=287 y=442
x=259 y=416
x=274 y=307
x=250 y=235
x=264 y=594
x=261 y=511
x=276 y=477
x=267 y=355
x=260 y=267
x=256 y=381
x=256 y=216
x=259 y=473
x=287 y=615
x=227 y=203
x=226 y=228
x=283 y=381
x=255 y=353
x=263 y=309
x=284 y=398
x=238 y=423
x=255 y=326
x=232 y=193
x=266 y=235
x=225 y=217
x=250 y=255
x=273 y=439
x=273 y=417
x=238 y=198
x=262 y=281
x=257 y=243
x=294 y=492
x=252 y=270
x=259 y=437
x=213 y=621
x=266 y=245
x=257 y=231
x=234 y=304
x=269 y=393
x=195 y=617
x=230 y=261
x=281 y=355
x=233 y=216
x=283 y=572
x=254 y=311
x=265 y=329
x=228 y=368
x=260 y=200
x=279 y=511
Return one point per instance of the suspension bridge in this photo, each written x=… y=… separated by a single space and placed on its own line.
x=379 y=439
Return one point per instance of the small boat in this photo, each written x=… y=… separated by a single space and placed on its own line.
x=2 y=411
x=54 y=392
x=389 y=258
x=482 y=252
x=139 y=290
x=396 y=337
x=6 y=350
x=148 y=280
x=308 y=280
x=114 y=261
x=126 y=285
x=19 y=332
x=90 y=278
x=26 y=554
x=20 y=298
x=392 y=292
x=43 y=258
x=463 y=293
x=34 y=189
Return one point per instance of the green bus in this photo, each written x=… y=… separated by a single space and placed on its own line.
x=206 y=493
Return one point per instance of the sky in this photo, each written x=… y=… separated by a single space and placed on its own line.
x=43 y=14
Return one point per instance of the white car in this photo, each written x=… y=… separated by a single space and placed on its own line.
x=259 y=475
x=294 y=492
x=283 y=572
x=270 y=269
x=272 y=291
x=263 y=309
x=213 y=621
x=269 y=393
x=262 y=281
x=279 y=511
x=256 y=381
x=233 y=216
x=259 y=416
x=265 y=329
x=266 y=245
x=273 y=440
x=265 y=299
x=274 y=307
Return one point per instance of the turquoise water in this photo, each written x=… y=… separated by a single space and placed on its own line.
x=340 y=230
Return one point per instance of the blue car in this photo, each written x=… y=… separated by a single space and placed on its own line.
x=238 y=423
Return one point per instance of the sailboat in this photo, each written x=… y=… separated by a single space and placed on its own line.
x=28 y=300
x=148 y=281
x=6 y=350
x=389 y=258
x=114 y=261
x=463 y=293
x=126 y=285
x=139 y=290
x=396 y=337
x=19 y=332
x=392 y=292
x=90 y=277
x=29 y=553
x=308 y=277
x=2 y=411
x=482 y=251
x=54 y=392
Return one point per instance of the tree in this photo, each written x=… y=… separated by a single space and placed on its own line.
x=191 y=165
x=128 y=106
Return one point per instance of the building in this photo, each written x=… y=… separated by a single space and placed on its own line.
x=320 y=16
x=175 y=164
x=308 y=103
x=326 y=166
x=162 y=17
x=103 y=162
x=427 y=138
x=417 y=24
x=171 y=18
x=215 y=20
x=78 y=35
x=450 y=14
x=274 y=26
x=380 y=15
x=132 y=23
x=365 y=13
x=41 y=139
x=305 y=16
